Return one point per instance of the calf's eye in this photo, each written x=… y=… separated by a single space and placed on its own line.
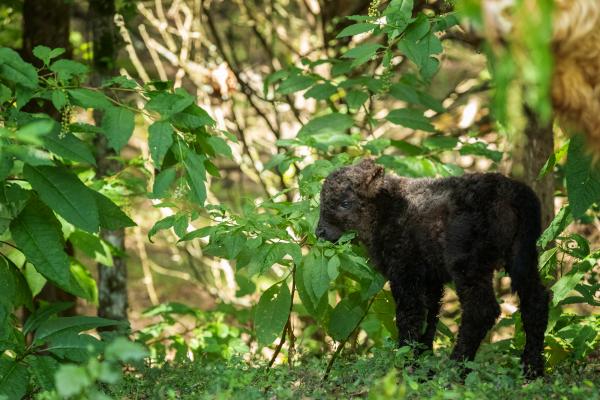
x=345 y=204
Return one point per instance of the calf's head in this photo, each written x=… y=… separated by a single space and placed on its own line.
x=347 y=201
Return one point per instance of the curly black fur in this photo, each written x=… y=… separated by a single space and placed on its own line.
x=423 y=233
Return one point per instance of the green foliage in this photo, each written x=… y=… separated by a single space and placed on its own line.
x=51 y=198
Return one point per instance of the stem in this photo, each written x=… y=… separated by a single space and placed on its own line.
x=343 y=342
x=287 y=328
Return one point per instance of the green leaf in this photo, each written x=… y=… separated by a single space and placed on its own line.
x=440 y=142
x=118 y=124
x=168 y=104
x=559 y=223
x=565 y=285
x=410 y=118
x=366 y=50
x=356 y=98
x=583 y=177
x=13 y=286
x=66 y=194
x=345 y=317
x=314 y=275
x=111 y=216
x=14 y=69
x=124 y=350
x=82 y=284
x=272 y=313
x=356 y=29
x=70 y=324
x=333 y=123
x=73 y=346
x=43 y=369
x=192 y=117
x=67 y=69
x=87 y=98
x=68 y=146
x=5 y=93
x=162 y=182
x=195 y=176
x=163 y=224
x=322 y=91
x=160 y=139
x=220 y=146
x=480 y=149
x=14 y=378
x=46 y=54
x=92 y=246
x=294 y=84
x=44 y=313
x=71 y=380
x=59 y=99
x=37 y=233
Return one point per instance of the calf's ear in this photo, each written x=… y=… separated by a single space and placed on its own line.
x=372 y=177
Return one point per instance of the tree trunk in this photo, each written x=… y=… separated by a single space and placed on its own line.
x=112 y=281
x=537 y=147
x=47 y=23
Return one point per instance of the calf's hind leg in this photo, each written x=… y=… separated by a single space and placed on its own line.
x=479 y=312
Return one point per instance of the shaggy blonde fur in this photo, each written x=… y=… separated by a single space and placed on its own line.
x=576 y=50
x=576 y=81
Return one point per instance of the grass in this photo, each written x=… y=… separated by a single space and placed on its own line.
x=384 y=373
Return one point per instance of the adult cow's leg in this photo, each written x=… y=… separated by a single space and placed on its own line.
x=479 y=312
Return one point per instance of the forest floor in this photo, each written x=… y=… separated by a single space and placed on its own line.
x=384 y=373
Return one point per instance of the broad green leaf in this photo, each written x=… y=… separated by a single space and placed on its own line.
x=87 y=98
x=440 y=142
x=124 y=350
x=321 y=91
x=34 y=131
x=480 y=149
x=366 y=50
x=73 y=346
x=295 y=83
x=63 y=325
x=583 y=177
x=111 y=216
x=118 y=124
x=168 y=104
x=163 y=224
x=192 y=117
x=315 y=277
x=272 y=313
x=43 y=368
x=356 y=98
x=162 y=182
x=160 y=138
x=356 y=29
x=562 y=219
x=67 y=69
x=92 y=246
x=195 y=176
x=71 y=380
x=68 y=146
x=410 y=118
x=14 y=378
x=37 y=233
x=14 y=69
x=330 y=124
x=82 y=284
x=13 y=286
x=46 y=54
x=345 y=317
x=220 y=146
x=565 y=285
x=66 y=194
x=44 y=313
x=5 y=93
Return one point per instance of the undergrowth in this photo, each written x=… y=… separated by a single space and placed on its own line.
x=385 y=372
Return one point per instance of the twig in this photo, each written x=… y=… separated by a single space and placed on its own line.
x=343 y=342
x=288 y=324
x=148 y=281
